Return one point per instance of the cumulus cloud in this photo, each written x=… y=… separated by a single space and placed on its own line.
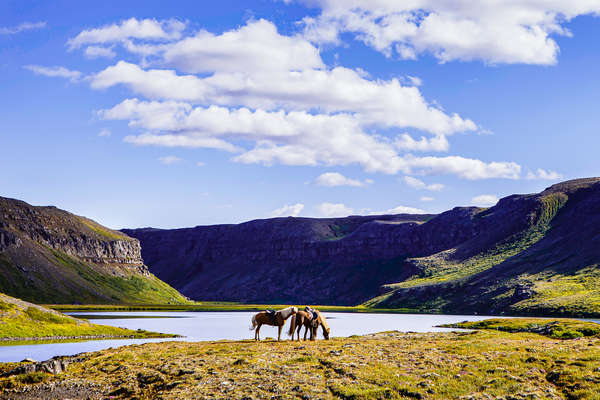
x=405 y=210
x=257 y=46
x=543 y=174
x=292 y=210
x=419 y=184
x=485 y=200
x=396 y=210
x=129 y=29
x=436 y=143
x=99 y=51
x=60 y=72
x=331 y=210
x=169 y=160
x=25 y=26
x=217 y=93
x=492 y=31
x=337 y=179
x=426 y=198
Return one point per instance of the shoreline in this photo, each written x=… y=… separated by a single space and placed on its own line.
x=237 y=307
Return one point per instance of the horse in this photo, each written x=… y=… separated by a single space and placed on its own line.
x=278 y=320
x=320 y=320
x=300 y=319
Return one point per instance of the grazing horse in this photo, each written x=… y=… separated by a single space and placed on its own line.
x=320 y=320
x=278 y=320
x=300 y=319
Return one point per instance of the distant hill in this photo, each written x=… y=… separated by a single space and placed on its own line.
x=23 y=320
x=529 y=254
x=48 y=255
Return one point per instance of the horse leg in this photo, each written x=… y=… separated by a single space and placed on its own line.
x=258 y=332
x=279 y=332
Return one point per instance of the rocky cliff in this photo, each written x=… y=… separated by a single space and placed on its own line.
x=520 y=256
x=52 y=256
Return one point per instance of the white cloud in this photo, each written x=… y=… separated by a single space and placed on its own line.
x=405 y=210
x=200 y=164
x=189 y=141
x=395 y=210
x=485 y=200
x=419 y=184
x=129 y=29
x=337 y=179
x=291 y=138
x=60 y=72
x=426 y=198
x=295 y=111
x=170 y=160
x=436 y=143
x=25 y=26
x=466 y=168
x=104 y=133
x=99 y=51
x=491 y=31
x=256 y=46
x=543 y=174
x=292 y=210
x=331 y=210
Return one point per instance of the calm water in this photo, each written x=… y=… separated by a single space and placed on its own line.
x=199 y=326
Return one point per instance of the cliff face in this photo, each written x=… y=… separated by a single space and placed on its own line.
x=326 y=261
x=50 y=255
x=464 y=260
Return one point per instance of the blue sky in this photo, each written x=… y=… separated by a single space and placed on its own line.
x=146 y=114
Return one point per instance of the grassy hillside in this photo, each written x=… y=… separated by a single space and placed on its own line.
x=20 y=319
x=390 y=365
x=549 y=267
x=51 y=256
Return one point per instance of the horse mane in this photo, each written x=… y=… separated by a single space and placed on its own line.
x=286 y=312
x=324 y=322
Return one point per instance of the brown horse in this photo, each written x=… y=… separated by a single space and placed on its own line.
x=320 y=320
x=299 y=320
x=278 y=320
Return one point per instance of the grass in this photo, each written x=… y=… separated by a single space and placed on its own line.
x=130 y=289
x=20 y=320
x=473 y=365
x=102 y=231
x=576 y=294
x=556 y=329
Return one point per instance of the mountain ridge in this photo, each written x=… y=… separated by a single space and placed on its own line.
x=405 y=261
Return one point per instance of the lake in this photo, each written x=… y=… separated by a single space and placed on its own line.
x=201 y=326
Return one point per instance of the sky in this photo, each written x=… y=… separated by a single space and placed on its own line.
x=185 y=113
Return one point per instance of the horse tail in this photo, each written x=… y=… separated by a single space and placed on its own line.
x=254 y=323
x=292 y=326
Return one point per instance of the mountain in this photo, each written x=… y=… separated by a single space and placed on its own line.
x=48 y=255
x=529 y=254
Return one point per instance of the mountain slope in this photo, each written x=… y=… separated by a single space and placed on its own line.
x=548 y=268
x=529 y=254
x=20 y=319
x=49 y=255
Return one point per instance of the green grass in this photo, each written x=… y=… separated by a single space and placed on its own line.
x=133 y=289
x=24 y=320
x=102 y=231
x=392 y=365
x=576 y=294
x=556 y=329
